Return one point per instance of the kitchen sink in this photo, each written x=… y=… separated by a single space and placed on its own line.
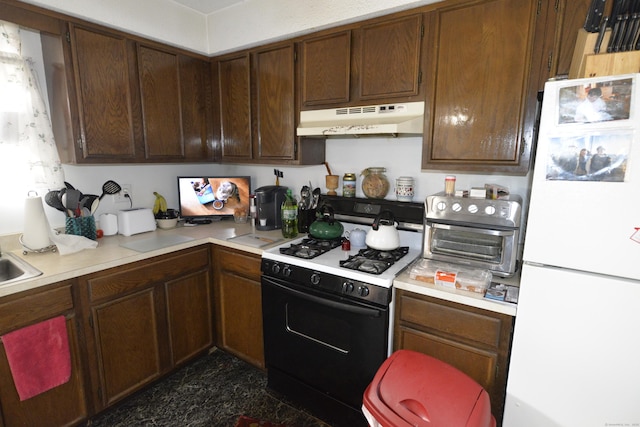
x=14 y=269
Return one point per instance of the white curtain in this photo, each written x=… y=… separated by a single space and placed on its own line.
x=28 y=156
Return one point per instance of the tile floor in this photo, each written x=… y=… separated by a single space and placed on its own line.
x=213 y=391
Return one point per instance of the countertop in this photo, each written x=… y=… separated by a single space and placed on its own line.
x=403 y=281
x=109 y=252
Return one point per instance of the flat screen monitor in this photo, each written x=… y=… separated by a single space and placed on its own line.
x=204 y=199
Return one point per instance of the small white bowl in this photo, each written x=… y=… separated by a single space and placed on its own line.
x=166 y=224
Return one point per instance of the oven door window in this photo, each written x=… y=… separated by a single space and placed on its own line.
x=476 y=244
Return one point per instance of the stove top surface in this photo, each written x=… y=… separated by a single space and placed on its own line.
x=333 y=261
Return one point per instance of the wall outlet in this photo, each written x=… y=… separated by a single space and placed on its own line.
x=120 y=197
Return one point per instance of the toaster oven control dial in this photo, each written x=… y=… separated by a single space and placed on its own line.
x=456 y=207
x=441 y=206
x=490 y=210
x=472 y=208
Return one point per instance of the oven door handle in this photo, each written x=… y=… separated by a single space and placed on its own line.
x=355 y=309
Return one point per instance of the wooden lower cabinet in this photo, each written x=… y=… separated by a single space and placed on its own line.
x=64 y=405
x=473 y=340
x=145 y=319
x=238 y=299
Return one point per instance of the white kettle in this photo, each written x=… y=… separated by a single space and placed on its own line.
x=383 y=235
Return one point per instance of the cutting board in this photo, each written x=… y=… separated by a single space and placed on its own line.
x=156 y=242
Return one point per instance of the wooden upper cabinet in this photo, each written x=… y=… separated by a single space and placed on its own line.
x=106 y=95
x=481 y=115
x=275 y=103
x=234 y=96
x=390 y=58
x=173 y=91
x=160 y=94
x=326 y=69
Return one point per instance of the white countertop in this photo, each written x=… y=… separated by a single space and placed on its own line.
x=110 y=253
x=403 y=281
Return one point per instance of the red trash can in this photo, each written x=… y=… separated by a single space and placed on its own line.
x=413 y=389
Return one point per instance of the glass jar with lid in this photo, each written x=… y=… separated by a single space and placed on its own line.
x=375 y=184
x=349 y=185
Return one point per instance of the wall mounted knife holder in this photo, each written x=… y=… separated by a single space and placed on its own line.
x=587 y=64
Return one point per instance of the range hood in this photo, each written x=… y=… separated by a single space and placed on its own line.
x=387 y=119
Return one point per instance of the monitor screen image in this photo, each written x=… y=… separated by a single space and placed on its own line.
x=213 y=197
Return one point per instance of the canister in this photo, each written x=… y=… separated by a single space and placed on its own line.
x=404 y=189
x=349 y=185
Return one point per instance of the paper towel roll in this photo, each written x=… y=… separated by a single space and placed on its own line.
x=36 y=225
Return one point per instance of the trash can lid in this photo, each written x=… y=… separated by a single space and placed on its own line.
x=413 y=389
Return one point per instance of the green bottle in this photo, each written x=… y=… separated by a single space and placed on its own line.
x=289 y=216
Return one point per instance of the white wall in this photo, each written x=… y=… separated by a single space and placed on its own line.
x=246 y=24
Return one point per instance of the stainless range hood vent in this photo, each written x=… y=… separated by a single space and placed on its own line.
x=387 y=119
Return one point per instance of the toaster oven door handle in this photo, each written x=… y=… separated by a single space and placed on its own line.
x=492 y=232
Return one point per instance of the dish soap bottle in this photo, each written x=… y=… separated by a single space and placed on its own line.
x=289 y=213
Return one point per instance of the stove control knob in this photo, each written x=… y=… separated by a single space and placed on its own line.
x=315 y=278
x=490 y=210
x=286 y=271
x=347 y=287
x=275 y=268
x=363 y=291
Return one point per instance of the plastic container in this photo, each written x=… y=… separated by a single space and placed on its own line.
x=450 y=185
x=451 y=276
x=413 y=389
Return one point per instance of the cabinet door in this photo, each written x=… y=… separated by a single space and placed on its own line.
x=274 y=103
x=195 y=104
x=479 y=88
x=390 y=58
x=326 y=69
x=106 y=91
x=238 y=300
x=475 y=341
x=127 y=339
x=189 y=316
x=65 y=405
x=160 y=95
x=235 y=107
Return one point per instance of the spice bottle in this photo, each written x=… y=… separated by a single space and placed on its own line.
x=450 y=185
x=349 y=185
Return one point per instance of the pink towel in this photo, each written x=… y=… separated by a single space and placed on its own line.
x=39 y=356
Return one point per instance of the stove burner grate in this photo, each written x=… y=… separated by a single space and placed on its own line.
x=310 y=247
x=374 y=261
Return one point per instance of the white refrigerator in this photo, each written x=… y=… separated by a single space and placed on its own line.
x=575 y=358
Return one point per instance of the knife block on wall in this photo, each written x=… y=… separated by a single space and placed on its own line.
x=587 y=64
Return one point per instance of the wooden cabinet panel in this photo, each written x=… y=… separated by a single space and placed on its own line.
x=126 y=335
x=473 y=340
x=107 y=100
x=326 y=69
x=189 y=315
x=64 y=405
x=479 y=89
x=196 y=105
x=238 y=299
x=160 y=96
x=274 y=100
x=235 y=108
x=390 y=58
x=144 y=319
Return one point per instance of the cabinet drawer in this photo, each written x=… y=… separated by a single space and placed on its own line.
x=29 y=309
x=240 y=263
x=121 y=280
x=452 y=321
